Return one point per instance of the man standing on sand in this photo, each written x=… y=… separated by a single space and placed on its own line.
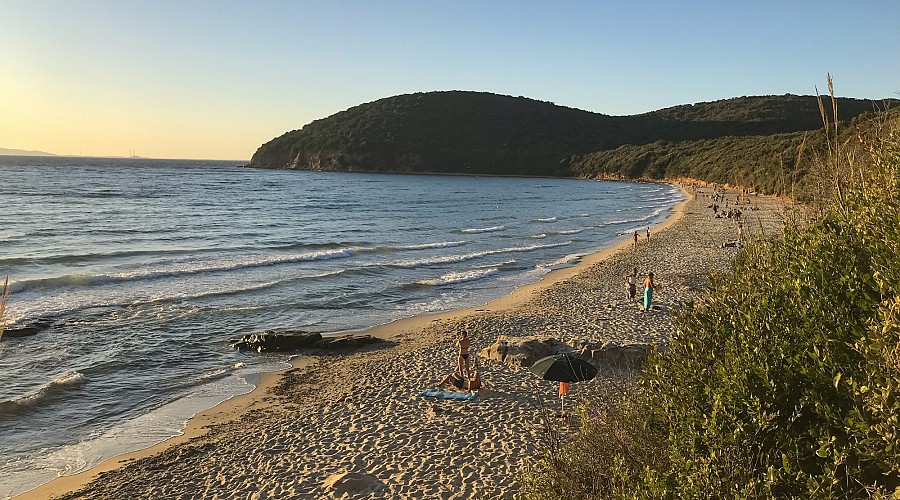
x=648 y=234
x=740 y=232
x=635 y=239
x=631 y=282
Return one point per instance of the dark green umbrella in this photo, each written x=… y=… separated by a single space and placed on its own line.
x=563 y=368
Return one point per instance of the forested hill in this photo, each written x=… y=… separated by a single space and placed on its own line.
x=482 y=133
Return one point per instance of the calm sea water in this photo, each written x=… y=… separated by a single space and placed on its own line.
x=141 y=270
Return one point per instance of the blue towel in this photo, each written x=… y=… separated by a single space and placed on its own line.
x=460 y=396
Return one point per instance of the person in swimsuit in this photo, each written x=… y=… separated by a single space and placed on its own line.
x=456 y=382
x=649 y=286
x=453 y=379
x=462 y=363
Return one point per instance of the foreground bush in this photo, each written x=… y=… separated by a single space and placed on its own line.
x=784 y=381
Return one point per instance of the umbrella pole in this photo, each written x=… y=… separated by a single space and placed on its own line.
x=562 y=408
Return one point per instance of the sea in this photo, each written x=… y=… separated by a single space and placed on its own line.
x=136 y=273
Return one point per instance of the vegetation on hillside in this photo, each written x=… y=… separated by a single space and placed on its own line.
x=481 y=133
x=767 y=164
x=784 y=380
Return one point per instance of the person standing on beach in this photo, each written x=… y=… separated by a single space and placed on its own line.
x=740 y=232
x=635 y=240
x=649 y=286
x=648 y=234
x=631 y=282
x=462 y=362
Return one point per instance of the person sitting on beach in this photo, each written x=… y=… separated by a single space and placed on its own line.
x=462 y=363
x=453 y=379
x=456 y=382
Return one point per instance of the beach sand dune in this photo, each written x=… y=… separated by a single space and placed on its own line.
x=356 y=425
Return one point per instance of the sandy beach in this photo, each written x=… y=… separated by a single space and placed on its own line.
x=363 y=414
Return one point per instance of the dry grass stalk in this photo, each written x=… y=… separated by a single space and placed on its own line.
x=4 y=299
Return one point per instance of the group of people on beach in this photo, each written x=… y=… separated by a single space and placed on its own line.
x=631 y=288
x=464 y=377
x=636 y=238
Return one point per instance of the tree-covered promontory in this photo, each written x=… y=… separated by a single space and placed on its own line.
x=483 y=133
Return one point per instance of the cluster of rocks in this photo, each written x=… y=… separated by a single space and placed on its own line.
x=523 y=351
x=271 y=341
x=609 y=356
x=615 y=356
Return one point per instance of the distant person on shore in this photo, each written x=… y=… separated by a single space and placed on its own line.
x=648 y=234
x=649 y=286
x=741 y=233
x=631 y=283
x=635 y=239
x=462 y=362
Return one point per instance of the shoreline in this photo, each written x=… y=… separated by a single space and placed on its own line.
x=414 y=334
x=233 y=407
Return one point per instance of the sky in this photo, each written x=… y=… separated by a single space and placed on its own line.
x=216 y=79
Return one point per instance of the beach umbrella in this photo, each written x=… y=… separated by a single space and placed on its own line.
x=565 y=369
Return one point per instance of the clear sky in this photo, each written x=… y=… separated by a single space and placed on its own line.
x=215 y=79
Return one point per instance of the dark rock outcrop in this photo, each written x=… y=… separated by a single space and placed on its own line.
x=25 y=330
x=339 y=345
x=271 y=341
x=276 y=342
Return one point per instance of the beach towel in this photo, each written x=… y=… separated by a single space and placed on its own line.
x=459 y=396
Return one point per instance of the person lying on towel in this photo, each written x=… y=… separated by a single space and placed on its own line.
x=454 y=381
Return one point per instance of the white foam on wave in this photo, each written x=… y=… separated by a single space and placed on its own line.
x=483 y=229
x=56 y=386
x=181 y=269
x=70 y=378
x=564 y=260
x=461 y=277
x=237 y=264
x=447 y=259
x=538 y=236
x=426 y=246
x=547 y=220
x=508 y=262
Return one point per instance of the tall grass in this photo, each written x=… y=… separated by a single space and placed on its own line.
x=784 y=381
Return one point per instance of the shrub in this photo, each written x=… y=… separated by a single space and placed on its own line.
x=783 y=381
